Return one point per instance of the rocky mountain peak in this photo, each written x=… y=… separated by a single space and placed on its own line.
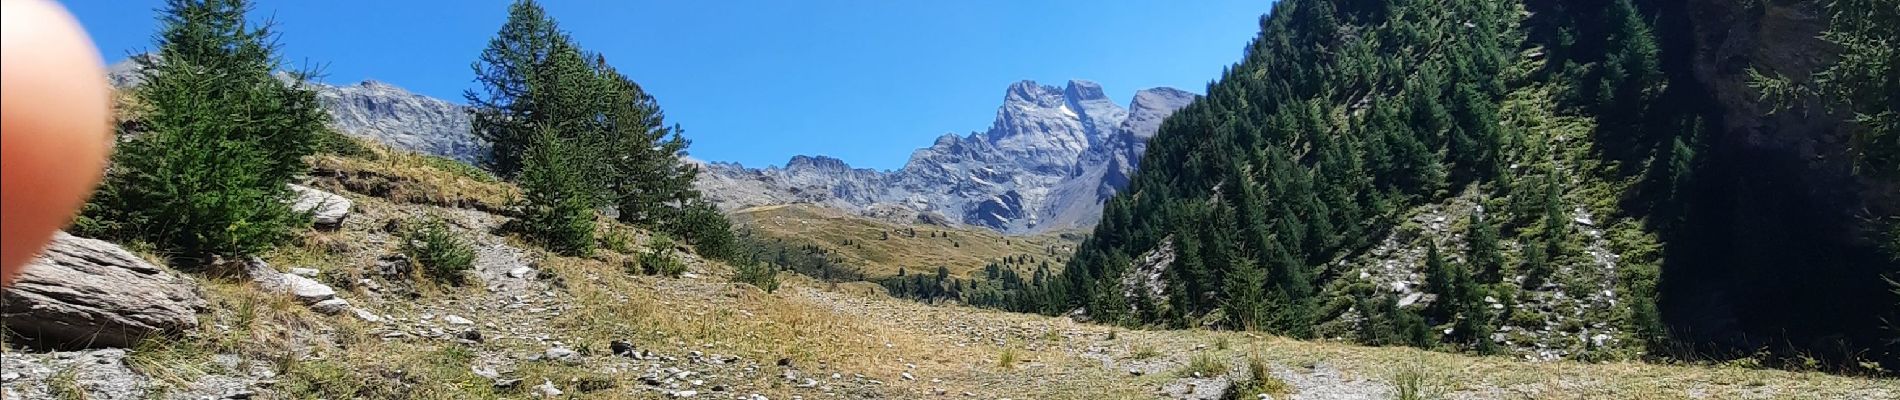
x=1084 y=90
x=1100 y=115
x=816 y=163
x=1030 y=94
x=1042 y=128
x=947 y=139
x=376 y=84
x=1153 y=105
x=1045 y=163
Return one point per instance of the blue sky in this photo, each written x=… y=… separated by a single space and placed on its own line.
x=757 y=81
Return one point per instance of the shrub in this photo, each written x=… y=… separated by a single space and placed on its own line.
x=1204 y=365
x=656 y=262
x=1410 y=383
x=659 y=259
x=440 y=253
x=1258 y=381
x=757 y=273
x=617 y=239
x=1145 y=352
x=703 y=226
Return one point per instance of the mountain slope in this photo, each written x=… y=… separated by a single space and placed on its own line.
x=409 y=121
x=880 y=249
x=1047 y=162
x=377 y=111
x=1590 y=180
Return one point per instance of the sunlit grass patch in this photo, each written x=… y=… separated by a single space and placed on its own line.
x=408 y=177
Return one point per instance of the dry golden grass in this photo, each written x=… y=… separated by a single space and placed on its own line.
x=739 y=320
x=849 y=328
x=408 y=177
x=678 y=315
x=964 y=250
x=1456 y=375
x=240 y=320
x=64 y=385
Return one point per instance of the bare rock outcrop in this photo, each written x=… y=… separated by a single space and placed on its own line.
x=90 y=293
x=326 y=209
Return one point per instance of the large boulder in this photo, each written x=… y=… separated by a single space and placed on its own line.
x=326 y=209
x=90 y=293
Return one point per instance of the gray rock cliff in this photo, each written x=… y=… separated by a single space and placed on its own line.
x=376 y=111
x=1050 y=159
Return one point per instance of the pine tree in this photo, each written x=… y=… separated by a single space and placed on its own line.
x=1634 y=53
x=1862 y=82
x=1452 y=284
x=1460 y=301
x=205 y=174
x=1106 y=304
x=1244 y=294
x=1376 y=327
x=1482 y=249
x=1193 y=272
x=1146 y=308
x=536 y=80
x=1241 y=281
x=1428 y=116
x=503 y=113
x=1476 y=137
x=1414 y=168
x=558 y=208
x=651 y=183
x=570 y=94
x=1438 y=276
x=1474 y=322
x=1540 y=255
x=1291 y=302
x=1677 y=172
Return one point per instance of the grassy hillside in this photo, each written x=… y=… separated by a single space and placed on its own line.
x=881 y=248
x=718 y=339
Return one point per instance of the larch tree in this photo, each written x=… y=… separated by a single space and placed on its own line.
x=205 y=174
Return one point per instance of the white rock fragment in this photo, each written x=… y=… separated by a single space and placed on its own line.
x=366 y=316
x=332 y=306
x=547 y=390
x=520 y=272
